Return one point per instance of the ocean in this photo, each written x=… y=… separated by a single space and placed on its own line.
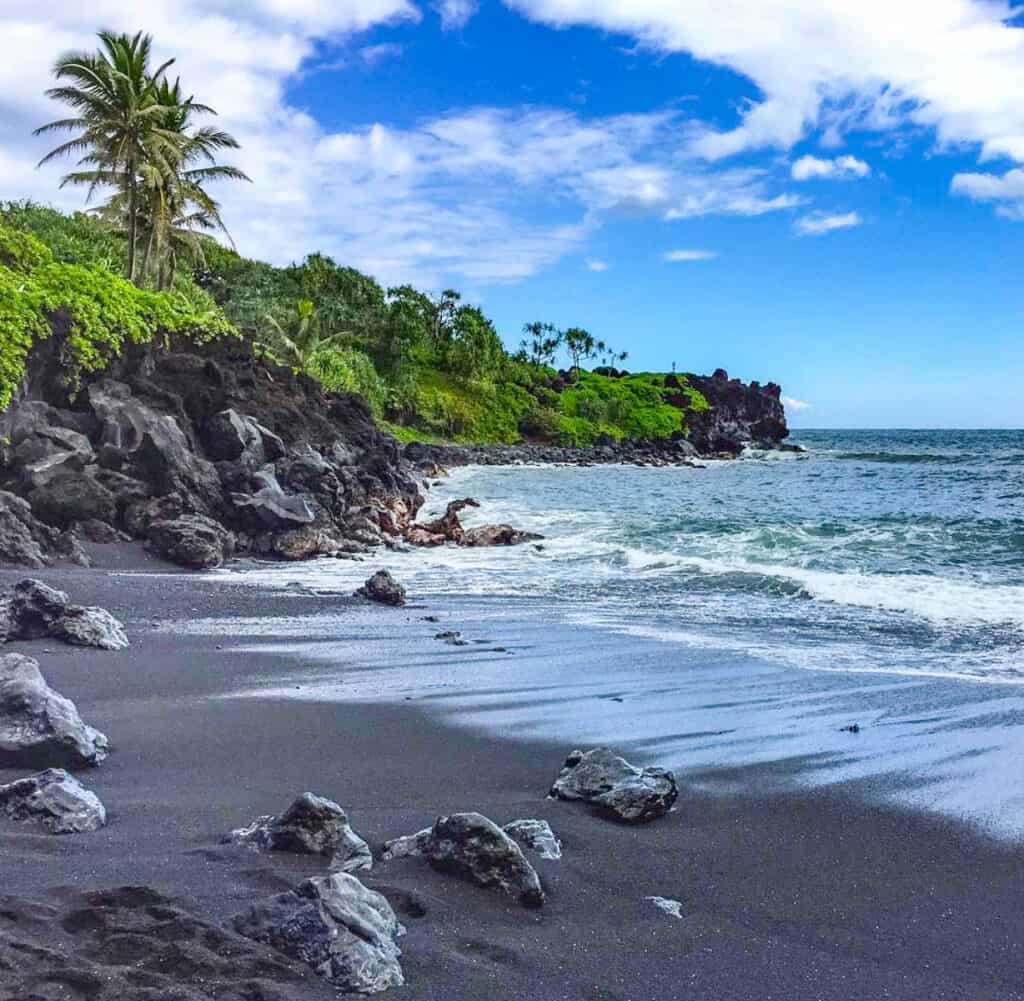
x=738 y=614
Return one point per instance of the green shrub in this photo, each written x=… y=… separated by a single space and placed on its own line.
x=346 y=370
x=100 y=312
x=73 y=239
x=22 y=251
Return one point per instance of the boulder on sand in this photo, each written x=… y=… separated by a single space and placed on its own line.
x=335 y=925
x=474 y=848
x=191 y=540
x=56 y=800
x=35 y=611
x=312 y=825
x=617 y=788
x=90 y=626
x=383 y=588
x=535 y=836
x=38 y=727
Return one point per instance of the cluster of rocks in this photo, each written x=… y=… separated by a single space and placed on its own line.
x=348 y=933
x=739 y=415
x=202 y=455
x=40 y=728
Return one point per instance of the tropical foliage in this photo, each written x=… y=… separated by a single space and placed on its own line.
x=144 y=266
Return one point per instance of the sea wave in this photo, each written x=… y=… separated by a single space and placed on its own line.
x=905 y=458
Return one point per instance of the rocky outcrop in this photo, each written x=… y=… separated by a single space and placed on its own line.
x=54 y=799
x=312 y=825
x=34 y=611
x=448 y=528
x=258 y=459
x=344 y=931
x=40 y=728
x=615 y=787
x=474 y=848
x=383 y=589
x=738 y=415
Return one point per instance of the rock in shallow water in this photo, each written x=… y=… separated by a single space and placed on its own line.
x=334 y=924
x=38 y=726
x=56 y=800
x=615 y=787
x=312 y=825
x=384 y=589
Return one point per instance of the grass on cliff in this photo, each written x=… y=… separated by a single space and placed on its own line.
x=429 y=367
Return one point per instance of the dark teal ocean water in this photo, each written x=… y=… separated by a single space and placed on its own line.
x=898 y=551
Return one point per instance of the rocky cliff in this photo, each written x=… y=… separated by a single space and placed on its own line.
x=202 y=453
x=739 y=415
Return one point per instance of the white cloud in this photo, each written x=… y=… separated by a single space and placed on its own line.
x=592 y=264
x=373 y=54
x=482 y=194
x=820 y=223
x=792 y=404
x=1006 y=191
x=953 y=66
x=455 y=14
x=809 y=168
x=674 y=256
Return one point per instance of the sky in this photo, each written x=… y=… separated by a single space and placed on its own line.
x=828 y=194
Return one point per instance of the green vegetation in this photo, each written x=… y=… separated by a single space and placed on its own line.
x=143 y=267
x=98 y=312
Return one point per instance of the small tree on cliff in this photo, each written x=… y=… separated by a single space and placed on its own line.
x=541 y=343
x=581 y=345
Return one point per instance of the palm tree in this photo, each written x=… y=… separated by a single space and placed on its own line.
x=117 y=121
x=301 y=337
x=179 y=210
x=135 y=133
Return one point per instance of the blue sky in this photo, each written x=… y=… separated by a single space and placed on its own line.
x=824 y=195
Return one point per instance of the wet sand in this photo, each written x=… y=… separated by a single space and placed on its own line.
x=786 y=894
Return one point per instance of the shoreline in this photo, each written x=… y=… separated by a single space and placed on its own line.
x=792 y=890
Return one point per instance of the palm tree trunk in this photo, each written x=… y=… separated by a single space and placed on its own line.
x=133 y=219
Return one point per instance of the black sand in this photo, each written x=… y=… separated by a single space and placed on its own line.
x=784 y=896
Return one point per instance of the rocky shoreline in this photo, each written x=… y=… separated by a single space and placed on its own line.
x=209 y=453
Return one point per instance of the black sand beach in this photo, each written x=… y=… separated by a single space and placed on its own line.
x=787 y=896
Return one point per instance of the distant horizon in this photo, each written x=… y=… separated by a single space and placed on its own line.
x=793 y=427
